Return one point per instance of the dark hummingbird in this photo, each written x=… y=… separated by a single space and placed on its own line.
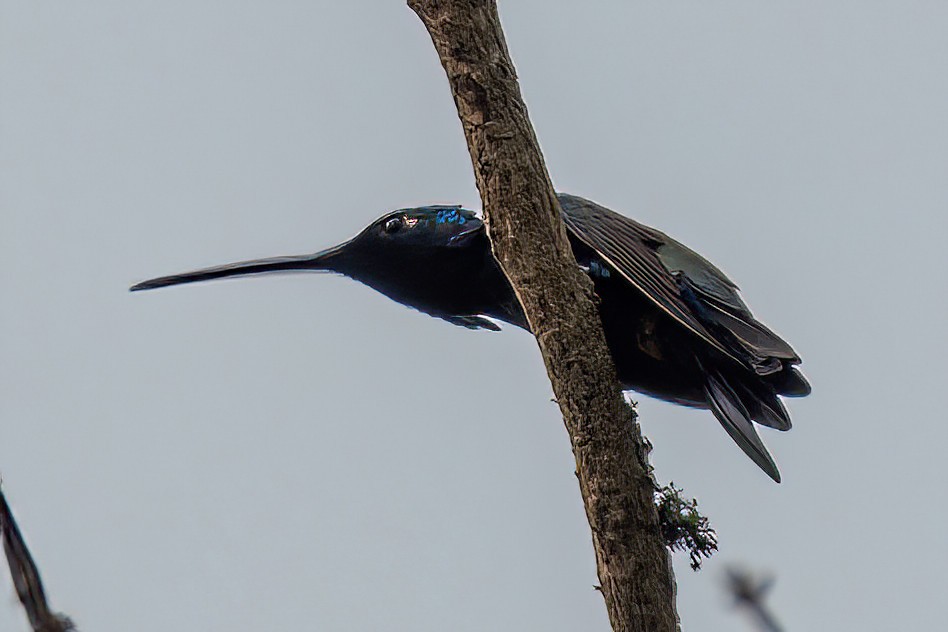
x=676 y=326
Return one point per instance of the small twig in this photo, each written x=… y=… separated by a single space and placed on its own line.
x=26 y=577
x=749 y=592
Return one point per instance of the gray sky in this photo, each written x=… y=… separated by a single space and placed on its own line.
x=260 y=454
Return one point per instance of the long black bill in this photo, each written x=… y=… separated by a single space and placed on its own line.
x=327 y=260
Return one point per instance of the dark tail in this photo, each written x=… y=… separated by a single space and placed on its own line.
x=730 y=406
x=789 y=382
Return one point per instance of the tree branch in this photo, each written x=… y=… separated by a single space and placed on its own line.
x=26 y=577
x=529 y=240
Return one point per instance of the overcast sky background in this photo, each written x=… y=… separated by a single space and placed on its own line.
x=302 y=453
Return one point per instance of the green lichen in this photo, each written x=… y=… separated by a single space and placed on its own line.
x=683 y=528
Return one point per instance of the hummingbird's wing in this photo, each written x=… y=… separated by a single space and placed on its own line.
x=680 y=282
x=693 y=292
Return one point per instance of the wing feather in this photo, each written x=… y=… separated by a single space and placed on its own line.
x=623 y=243
x=680 y=282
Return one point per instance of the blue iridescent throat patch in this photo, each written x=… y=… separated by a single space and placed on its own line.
x=450 y=216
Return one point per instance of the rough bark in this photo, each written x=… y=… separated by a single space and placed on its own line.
x=529 y=240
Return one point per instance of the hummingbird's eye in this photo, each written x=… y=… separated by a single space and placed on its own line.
x=392 y=225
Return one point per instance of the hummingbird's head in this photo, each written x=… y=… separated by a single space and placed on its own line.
x=390 y=250
x=419 y=229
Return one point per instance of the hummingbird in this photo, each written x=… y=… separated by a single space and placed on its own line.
x=676 y=326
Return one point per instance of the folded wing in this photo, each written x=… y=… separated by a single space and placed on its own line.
x=682 y=283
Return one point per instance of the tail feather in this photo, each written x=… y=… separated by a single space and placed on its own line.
x=762 y=403
x=734 y=416
x=789 y=382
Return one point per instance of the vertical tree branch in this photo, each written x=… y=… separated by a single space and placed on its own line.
x=529 y=240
